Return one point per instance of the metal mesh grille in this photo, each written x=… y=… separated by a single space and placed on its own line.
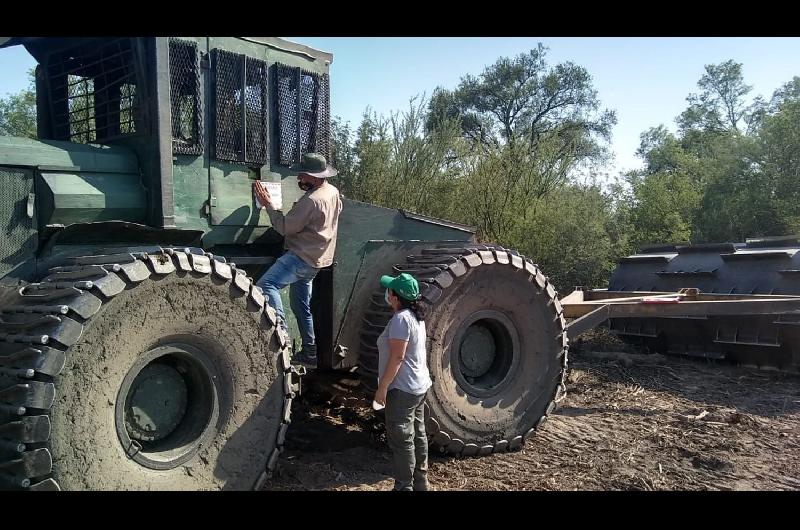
x=228 y=105
x=240 y=125
x=256 y=112
x=307 y=115
x=187 y=115
x=94 y=91
x=286 y=88
x=303 y=113
x=18 y=238
x=323 y=143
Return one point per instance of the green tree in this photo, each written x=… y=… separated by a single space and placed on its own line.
x=737 y=199
x=731 y=171
x=546 y=116
x=686 y=193
x=663 y=197
x=786 y=94
x=400 y=164
x=663 y=208
x=779 y=141
x=18 y=111
x=343 y=156
x=522 y=99
x=500 y=152
x=572 y=235
x=720 y=105
x=500 y=186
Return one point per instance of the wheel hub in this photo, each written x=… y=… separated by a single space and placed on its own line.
x=158 y=403
x=485 y=353
x=477 y=351
x=167 y=406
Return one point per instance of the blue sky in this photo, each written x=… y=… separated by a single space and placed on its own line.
x=646 y=80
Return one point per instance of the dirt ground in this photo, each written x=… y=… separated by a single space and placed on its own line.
x=631 y=421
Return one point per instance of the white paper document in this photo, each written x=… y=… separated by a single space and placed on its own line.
x=274 y=190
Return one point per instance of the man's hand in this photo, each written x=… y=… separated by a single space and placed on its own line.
x=261 y=194
x=380 y=395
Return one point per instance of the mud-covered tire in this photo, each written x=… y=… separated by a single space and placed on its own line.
x=482 y=298
x=186 y=310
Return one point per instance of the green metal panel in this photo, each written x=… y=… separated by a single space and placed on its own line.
x=236 y=45
x=190 y=181
x=225 y=199
x=232 y=200
x=230 y=184
x=16 y=151
x=353 y=289
x=190 y=173
x=360 y=223
x=232 y=196
x=72 y=197
x=18 y=238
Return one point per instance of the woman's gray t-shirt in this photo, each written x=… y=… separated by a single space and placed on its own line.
x=413 y=376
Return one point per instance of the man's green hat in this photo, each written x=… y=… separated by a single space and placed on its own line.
x=404 y=285
x=315 y=165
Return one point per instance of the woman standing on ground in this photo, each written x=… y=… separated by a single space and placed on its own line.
x=403 y=382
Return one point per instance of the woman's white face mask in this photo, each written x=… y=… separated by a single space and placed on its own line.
x=386 y=297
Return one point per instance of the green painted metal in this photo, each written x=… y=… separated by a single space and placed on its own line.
x=138 y=181
x=190 y=174
x=205 y=192
x=230 y=185
x=216 y=196
x=16 y=151
x=232 y=194
x=231 y=199
x=371 y=240
x=71 y=197
x=361 y=223
x=190 y=182
x=273 y=50
x=18 y=237
x=226 y=199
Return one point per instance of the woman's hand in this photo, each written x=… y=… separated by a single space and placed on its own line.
x=380 y=395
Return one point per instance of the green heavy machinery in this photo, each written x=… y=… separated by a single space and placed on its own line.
x=135 y=350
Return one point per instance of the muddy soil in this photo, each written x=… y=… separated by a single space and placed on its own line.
x=631 y=421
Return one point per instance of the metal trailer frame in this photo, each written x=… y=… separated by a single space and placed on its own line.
x=589 y=308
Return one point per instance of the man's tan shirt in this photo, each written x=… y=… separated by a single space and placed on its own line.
x=310 y=226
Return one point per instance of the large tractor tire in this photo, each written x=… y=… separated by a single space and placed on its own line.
x=497 y=347
x=141 y=372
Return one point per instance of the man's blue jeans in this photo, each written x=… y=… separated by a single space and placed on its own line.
x=291 y=270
